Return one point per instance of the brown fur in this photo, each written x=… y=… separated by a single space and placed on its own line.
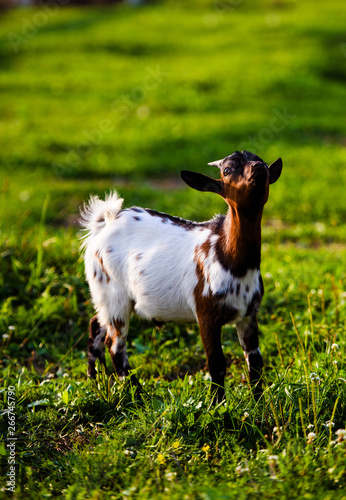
x=97 y=255
x=244 y=185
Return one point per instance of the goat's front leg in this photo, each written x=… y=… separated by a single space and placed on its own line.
x=96 y=347
x=247 y=330
x=211 y=338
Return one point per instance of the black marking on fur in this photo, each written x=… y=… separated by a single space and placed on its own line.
x=254 y=304
x=120 y=363
x=95 y=353
x=177 y=221
x=217 y=227
x=256 y=364
x=261 y=285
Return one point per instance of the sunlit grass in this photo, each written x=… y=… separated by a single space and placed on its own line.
x=265 y=76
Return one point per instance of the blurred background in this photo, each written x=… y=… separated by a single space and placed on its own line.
x=98 y=95
x=125 y=94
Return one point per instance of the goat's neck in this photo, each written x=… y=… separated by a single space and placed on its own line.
x=242 y=240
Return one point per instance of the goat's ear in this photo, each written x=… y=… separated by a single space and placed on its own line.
x=275 y=170
x=201 y=182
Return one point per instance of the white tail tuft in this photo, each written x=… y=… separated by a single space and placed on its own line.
x=97 y=213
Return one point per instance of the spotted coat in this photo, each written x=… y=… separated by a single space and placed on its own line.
x=165 y=268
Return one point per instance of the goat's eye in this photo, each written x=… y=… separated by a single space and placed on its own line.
x=227 y=171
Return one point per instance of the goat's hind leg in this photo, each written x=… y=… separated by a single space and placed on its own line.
x=116 y=343
x=96 y=346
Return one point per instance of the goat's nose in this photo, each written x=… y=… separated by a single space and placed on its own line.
x=259 y=172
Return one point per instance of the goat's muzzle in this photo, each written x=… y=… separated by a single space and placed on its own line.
x=260 y=175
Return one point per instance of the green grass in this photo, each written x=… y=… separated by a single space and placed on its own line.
x=125 y=98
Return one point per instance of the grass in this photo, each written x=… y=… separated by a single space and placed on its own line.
x=91 y=102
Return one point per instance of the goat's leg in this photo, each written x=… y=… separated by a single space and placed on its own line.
x=247 y=330
x=116 y=343
x=211 y=338
x=96 y=346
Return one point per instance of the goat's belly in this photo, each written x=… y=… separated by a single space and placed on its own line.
x=163 y=288
x=164 y=297
x=164 y=308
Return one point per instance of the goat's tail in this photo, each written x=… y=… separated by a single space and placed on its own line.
x=97 y=213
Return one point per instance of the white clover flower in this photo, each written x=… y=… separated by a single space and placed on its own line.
x=310 y=426
x=246 y=414
x=171 y=475
x=272 y=462
x=314 y=377
x=5 y=336
x=44 y=382
x=311 y=437
x=334 y=347
x=11 y=328
x=240 y=469
x=198 y=405
x=329 y=424
x=341 y=433
x=335 y=362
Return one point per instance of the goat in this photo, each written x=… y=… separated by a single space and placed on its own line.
x=166 y=268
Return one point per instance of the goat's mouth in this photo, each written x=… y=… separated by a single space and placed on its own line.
x=259 y=178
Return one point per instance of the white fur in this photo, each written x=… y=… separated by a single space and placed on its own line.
x=219 y=279
x=97 y=209
x=151 y=264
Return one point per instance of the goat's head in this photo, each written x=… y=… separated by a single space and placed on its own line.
x=244 y=182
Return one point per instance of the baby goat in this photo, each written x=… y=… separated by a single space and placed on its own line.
x=166 y=268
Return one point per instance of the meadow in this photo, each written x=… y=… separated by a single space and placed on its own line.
x=123 y=98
